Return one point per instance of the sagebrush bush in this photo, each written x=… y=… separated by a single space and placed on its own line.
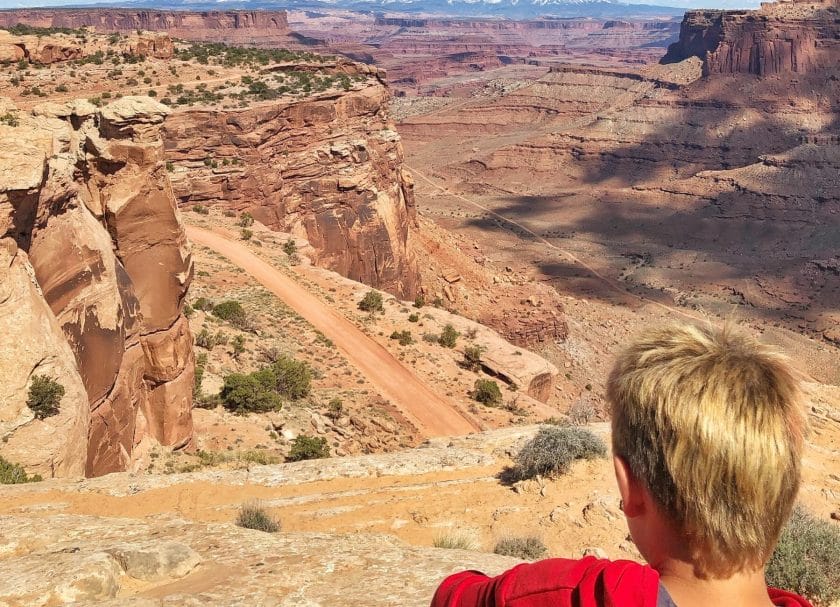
x=448 y=337
x=455 y=540
x=487 y=392
x=554 y=448
x=233 y=312
x=308 y=447
x=529 y=548
x=45 y=396
x=371 y=302
x=254 y=516
x=807 y=559
x=14 y=474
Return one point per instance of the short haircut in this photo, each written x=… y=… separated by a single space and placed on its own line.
x=712 y=421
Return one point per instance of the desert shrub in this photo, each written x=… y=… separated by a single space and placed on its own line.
x=335 y=408
x=486 y=391
x=290 y=247
x=45 y=396
x=254 y=516
x=455 y=540
x=233 y=312
x=202 y=303
x=308 y=447
x=448 y=337
x=188 y=310
x=200 y=364
x=205 y=339
x=292 y=378
x=807 y=559
x=200 y=209
x=529 y=548
x=419 y=301
x=252 y=392
x=238 y=344
x=246 y=220
x=554 y=448
x=14 y=474
x=413 y=318
x=472 y=357
x=431 y=338
x=246 y=234
x=582 y=411
x=371 y=302
x=404 y=337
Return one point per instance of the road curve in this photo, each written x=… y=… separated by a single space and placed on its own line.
x=432 y=414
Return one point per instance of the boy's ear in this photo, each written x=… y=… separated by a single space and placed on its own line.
x=631 y=490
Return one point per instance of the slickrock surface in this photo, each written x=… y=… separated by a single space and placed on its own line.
x=328 y=168
x=89 y=219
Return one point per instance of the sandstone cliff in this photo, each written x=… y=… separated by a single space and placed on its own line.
x=206 y=25
x=43 y=50
x=95 y=269
x=328 y=167
x=783 y=37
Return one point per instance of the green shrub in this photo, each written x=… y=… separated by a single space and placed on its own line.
x=554 y=448
x=205 y=340
x=200 y=209
x=308 y=447
x=45 y=396
x=202 y=303
x=233 y=312
x=290 y=247
x=292 y=378
x=404 y=337
x=14 y=474
x=807 y=559
x=527 y=548
x=200 y=364
x=486 y=391
x=455 y=540
x=419 y=301
x=449 y=337
x=413 y=318
x=250 y=393
x=246 y=234
x=335 y=408
x=254 y=516
x=472 y=357
x=371 y=302
x=238 y=344
x=246 y=220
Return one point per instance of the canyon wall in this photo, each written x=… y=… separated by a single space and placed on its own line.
x=44 y=50
x=180 y=24
x=94 y=271
x=785 y=37
x=328 y=168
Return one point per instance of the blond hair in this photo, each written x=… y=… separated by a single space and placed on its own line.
x=712 y=422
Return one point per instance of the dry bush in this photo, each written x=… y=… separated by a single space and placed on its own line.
x=552 y=451
x=455 y=540
x=254 y=516
x=530 y=548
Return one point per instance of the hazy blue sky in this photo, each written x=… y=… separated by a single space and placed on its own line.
x=679 y=3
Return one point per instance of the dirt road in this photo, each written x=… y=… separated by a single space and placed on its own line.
x=432 y=414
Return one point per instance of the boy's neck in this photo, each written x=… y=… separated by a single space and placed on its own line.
x=745 y=588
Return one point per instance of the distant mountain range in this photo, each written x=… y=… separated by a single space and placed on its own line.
x=512 y=9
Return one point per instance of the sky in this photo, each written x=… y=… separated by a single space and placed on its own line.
x=678 y=3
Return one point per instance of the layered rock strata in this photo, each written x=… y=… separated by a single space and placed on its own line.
x=785 y=37
x=96 y=268
x=44 y=50
x=328 y=168
x=243 y=26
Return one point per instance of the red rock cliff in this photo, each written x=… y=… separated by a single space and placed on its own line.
x=783 y=37
x=88 y=225
x=180 y=24
x=328 y=167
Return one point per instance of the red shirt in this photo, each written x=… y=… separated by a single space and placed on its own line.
x=588 y=582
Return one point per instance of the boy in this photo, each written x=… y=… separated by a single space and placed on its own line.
x=707 y=435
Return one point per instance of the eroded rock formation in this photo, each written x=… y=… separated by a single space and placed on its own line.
x=56 y=48
x=328 y=167
x=783 y=37
x=206 y=25
x=95 y=271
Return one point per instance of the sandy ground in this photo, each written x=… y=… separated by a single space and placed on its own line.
x=433 y=414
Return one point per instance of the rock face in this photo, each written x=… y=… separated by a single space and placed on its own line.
x=180 y=24
x=55 y=48
x=87 y=216
x=786 y=37
x=328 y=168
